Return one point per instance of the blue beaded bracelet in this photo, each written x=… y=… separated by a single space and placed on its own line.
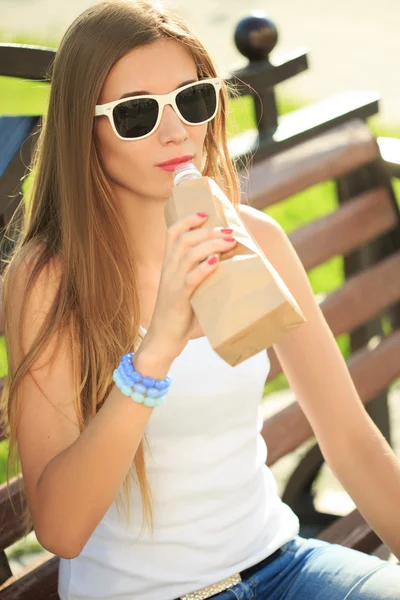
x=146 y=390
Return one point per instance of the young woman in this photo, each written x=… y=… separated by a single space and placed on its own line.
x=96 y=276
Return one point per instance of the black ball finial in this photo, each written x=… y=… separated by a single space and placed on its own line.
x=256 y=36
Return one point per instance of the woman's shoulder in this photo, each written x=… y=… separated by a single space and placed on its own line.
x=36 y=257
x=265 y=229
x=33 y=271
x=256 y=218
x=30 y=289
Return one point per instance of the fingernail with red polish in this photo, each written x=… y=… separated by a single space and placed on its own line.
x=229 y=239
x=226 y=230
x=202 y=215
x=213 y=260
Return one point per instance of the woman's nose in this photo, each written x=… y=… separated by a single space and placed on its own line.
x=171 y=127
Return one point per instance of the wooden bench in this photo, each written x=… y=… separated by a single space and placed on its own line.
x=364 y=225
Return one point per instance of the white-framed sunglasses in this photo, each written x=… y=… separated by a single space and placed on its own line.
x=137 y=117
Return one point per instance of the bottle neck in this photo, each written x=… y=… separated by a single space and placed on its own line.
x=185 y=172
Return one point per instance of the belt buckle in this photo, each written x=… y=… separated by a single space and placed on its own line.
x=214 y=589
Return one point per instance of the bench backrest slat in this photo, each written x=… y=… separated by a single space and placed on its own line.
x=327 y=156
x=352 y=531
x=10 y=523
x=25 y=62
x=354 y=224
x=355 y=303
x=37 y=584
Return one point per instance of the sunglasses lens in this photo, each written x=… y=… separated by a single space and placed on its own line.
x=135 y=118
x=198 y=103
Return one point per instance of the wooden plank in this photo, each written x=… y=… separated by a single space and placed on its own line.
x=5 y=570
x=352 y=531
x=25 y=62
x=354 y=224
x=301 y=125
x=38 y=582
x=353 y=304
x=327 y=156
x=11 y=528
x=382 y=551
x=372 y=371
x=285 y=431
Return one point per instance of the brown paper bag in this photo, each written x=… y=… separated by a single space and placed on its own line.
x=244 y=306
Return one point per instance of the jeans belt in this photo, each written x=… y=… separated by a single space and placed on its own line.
x=217 y=588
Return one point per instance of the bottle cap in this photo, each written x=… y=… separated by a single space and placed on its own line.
x=185 y=171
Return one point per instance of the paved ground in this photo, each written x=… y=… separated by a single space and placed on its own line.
x=352 y=44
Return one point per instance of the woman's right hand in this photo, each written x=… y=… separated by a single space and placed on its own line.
x=191 y=255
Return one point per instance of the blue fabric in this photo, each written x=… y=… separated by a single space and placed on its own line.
x=13 y=132
x=310 y=569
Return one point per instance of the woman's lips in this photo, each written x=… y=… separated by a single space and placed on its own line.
x=172 y=164
x=172 y=167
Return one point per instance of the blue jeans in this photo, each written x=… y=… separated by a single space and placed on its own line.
x=310 y=569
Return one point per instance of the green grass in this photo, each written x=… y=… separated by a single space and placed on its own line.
x=22 y=97
x=19 y=97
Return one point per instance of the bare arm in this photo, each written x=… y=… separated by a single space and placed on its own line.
x=369 y=470
x=352 y=445
x=71 y=491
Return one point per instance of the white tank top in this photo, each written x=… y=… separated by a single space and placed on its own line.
x=215 y=503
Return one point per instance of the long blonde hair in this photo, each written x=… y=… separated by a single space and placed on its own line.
x=72 y=215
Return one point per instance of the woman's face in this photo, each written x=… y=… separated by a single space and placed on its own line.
x=157 y=68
